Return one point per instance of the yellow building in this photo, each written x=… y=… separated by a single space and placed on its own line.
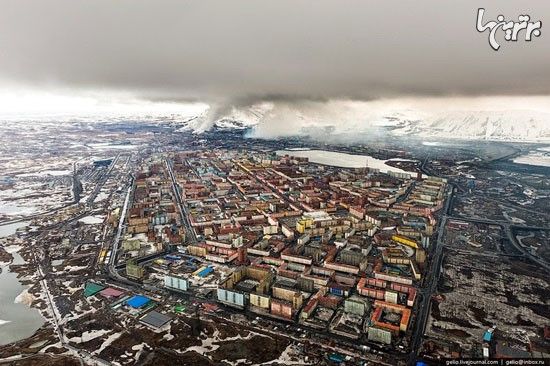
x=405 y=241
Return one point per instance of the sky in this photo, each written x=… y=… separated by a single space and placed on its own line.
x=238 y=52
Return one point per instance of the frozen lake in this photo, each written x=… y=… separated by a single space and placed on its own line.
x=344 y=160
x=540 y=157
x=17 y=320
x=10 y=229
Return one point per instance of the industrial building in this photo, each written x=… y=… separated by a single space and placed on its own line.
x=155 y=320
x=176 y=283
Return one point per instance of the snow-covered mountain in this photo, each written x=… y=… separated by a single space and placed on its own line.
x=513 y=125
x=528 y=126
x=501 y=120
x=243 y=118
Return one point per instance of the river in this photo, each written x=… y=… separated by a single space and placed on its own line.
x=17 y=320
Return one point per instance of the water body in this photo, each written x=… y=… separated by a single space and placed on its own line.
x=343 y=160
x=510 y=166
x=17 y=321
x=538 y=157
x=10 y=229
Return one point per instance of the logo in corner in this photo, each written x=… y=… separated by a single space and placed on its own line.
x=512 y=29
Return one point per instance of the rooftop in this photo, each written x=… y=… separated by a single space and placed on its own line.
x=155 y=319
x=138 y=301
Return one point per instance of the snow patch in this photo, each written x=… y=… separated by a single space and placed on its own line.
x=24 y=298
x=89 y=335
x=113 y=337
x=92 y=220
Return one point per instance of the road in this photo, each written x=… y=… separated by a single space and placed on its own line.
x=190 y=235
x=514 y=241
x=509 y=228
x=116 y=242
x=101 y=181
x=77 y=185
x=432 y=277
x=430 y=283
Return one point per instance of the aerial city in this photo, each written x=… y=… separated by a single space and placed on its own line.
x=241 y=207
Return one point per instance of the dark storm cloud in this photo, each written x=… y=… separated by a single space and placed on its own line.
x=282 y=49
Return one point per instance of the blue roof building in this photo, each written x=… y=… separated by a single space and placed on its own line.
x=138 y=301
x=487 y=336
x=205 y=272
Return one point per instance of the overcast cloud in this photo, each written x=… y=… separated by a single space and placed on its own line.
x=284 y=49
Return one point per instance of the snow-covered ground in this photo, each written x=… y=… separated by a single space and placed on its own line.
x=74 y=268
x=43 y=173
x=10 y=209
x=102 y=196
x=207 y=344
x=113 y=337
x=89 y=335
x=12 y=248
x=35 y=192
x=108 y=146
x=290 y=356
x=92 y=220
